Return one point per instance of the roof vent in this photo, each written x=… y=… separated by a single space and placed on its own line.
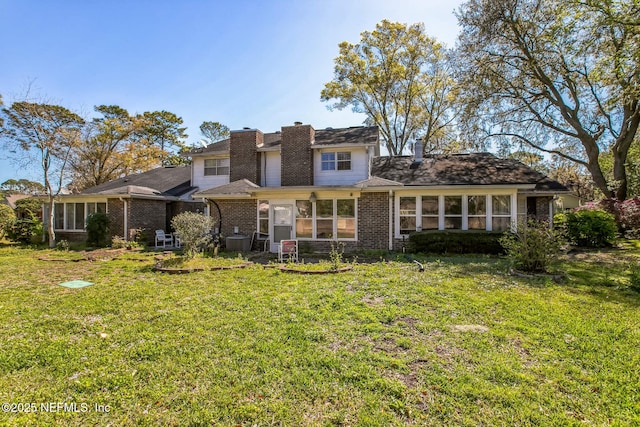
x=297 y=123
x=246 y=128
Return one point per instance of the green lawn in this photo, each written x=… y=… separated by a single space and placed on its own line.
x=464 y=343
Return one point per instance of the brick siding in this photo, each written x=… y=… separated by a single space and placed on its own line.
x=297 y=155
x=241 y=213
x=244 y=158
x=373 y=221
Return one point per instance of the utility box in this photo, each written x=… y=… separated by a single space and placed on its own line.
x=238 y=243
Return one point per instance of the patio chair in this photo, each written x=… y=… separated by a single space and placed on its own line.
x=288 y=251
x=163 y=239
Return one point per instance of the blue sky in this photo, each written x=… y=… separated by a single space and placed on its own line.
x=260 y=64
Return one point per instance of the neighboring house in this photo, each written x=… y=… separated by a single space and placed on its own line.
x=144 y=201
x=319 y=186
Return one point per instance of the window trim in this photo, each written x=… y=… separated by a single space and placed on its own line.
x=487 y=193
x=217 y=166
x=334 y=219
x=334 y=163
x=66 y=220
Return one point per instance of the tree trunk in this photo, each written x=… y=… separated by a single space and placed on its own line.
x=620 y=174
x=50 y=224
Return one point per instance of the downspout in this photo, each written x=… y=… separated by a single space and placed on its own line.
x=219 y=215
x=126 y=218
x=391 y=220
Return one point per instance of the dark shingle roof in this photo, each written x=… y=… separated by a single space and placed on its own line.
x=168 y=181
x=219 y=147
x=352 y=135
x=460 y=169
x=240 y=187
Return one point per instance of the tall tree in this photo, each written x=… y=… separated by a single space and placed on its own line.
x=47 y=134
x=112 y=146
x=214 y=131
x=399 y=78
x=562 y=76
x=163 y=128
x=21 y=186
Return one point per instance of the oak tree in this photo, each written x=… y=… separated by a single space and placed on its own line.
x=562 y=76
x=400 y=78
x=47 y=134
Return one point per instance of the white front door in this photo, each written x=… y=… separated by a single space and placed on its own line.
x=282 y=225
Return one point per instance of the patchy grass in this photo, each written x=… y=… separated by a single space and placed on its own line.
x=463 y=343
x=200 y=262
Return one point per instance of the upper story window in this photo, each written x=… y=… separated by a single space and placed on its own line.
x=216 y=167
x=336 y=160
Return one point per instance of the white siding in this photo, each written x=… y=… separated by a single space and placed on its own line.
x=359 y=167
x=271 y=173
x=205 y=182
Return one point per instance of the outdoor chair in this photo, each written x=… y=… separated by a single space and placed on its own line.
x=288 y=251
x=163 y=239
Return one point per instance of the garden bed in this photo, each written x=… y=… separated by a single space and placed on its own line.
x=181 y=265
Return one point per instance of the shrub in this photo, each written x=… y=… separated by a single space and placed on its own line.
x=118 y=242
x=629 y=215
x=194 y=230
x=626 y=213
x=456 y=242
x=590 y=228
x=97 y=229
x=63 y=245
x=533 y=247
x=26 y=230
x=7 y=218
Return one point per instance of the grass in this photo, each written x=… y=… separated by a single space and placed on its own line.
x=201 y=262
x=463 y=343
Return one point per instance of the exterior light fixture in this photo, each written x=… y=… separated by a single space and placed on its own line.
x=312 y=197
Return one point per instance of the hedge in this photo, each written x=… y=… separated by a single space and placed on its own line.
x=456 y=242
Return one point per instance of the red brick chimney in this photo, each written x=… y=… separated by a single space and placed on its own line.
x=245 y=162
x=297 y=155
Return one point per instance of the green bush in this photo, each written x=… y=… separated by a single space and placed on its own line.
x=590 y=228
x=456 y=242
x=26 y=230
x=97 y=229
x=194 y=230
x=7 y=218
x=534 y=247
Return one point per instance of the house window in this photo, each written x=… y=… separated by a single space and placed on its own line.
x=453 y=212
x=346 y=224
x=501 y=213
x=304 y=219
x=430 y=214
x=324 y=219
x=96 y=207
x=407 y=215
x=58 y=216
x=73 y=216
x=214 y=167
x=263 y=216
x=340 y=160
x=477 y=210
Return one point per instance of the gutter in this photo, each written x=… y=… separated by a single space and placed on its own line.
x=391 y=221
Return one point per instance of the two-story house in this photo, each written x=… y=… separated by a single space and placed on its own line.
x=319 y=186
